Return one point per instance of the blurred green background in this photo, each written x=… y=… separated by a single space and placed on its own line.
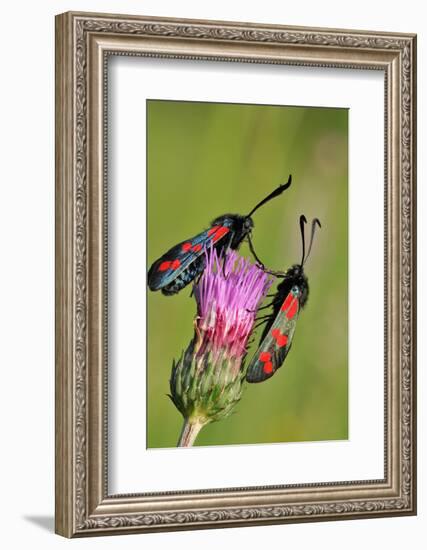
x=208 y=159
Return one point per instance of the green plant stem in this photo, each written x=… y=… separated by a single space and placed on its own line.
x=190 y=431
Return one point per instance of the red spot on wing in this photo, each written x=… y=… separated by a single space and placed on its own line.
x=293 y=309
x=217 y=232
x=164 y=266
x=265 y=356
x=175 y=264
x=197 y=247
x=268 y=367
x=186 y=247
x=213 y=230
x=220 y=233
x=282 y=340
x=287 y=302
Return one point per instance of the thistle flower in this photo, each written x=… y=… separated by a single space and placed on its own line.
x=206 y=382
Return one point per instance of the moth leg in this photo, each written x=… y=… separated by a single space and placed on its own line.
x=260 y=308
x=266 y=306
x=223 y=268
x=195 y=282
x=260 y=263
x=263 y=317
x=225 y=249
x=254 y=254
x=262 y=322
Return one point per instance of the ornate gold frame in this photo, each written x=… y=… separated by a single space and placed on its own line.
x=83 y=42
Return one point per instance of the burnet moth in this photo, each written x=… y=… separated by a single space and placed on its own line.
x=186 y=261
x=291 y=296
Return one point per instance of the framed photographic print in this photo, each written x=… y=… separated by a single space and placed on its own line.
x=235 y=274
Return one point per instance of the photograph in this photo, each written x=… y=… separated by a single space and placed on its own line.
x=247 y=248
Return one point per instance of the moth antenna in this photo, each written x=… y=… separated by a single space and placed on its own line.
x=313 y=229
x=272 y=195
x=302 y=222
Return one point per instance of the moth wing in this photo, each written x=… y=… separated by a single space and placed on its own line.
x=275 y=346
x=176 y=260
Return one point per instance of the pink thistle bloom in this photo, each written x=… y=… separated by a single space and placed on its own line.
x=228 y=296
x=207 y=381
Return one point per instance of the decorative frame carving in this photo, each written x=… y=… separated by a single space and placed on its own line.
x=83 y=42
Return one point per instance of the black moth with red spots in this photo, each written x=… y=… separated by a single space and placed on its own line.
x=183 y=263
x=291 y=296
